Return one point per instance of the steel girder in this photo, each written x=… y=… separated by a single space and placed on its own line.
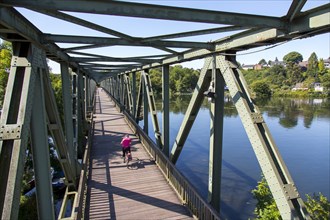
x=192 y=110
x=68 y=115
x=149 y=96
x=152 y=11
x=40 y=145
x=166 y=109
x=291 y=26
x=30 y=99
x=15 y=120
x=217 y=86
x=285 y=193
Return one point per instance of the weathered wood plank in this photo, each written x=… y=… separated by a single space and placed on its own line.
x=116 y=192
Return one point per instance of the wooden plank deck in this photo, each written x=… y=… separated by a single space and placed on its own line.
x=116 y=191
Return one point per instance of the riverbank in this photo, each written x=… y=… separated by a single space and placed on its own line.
x=300 y=94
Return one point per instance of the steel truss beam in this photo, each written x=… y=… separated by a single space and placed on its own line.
x=295 y=8
x=216 y=136
x=134 y=93
x=81 y=123
x=16 y=120
x=93 y=26
x=192 y=110
x=139 y=101
x=108 y=41
x=308 y=23
x=166 y=109
x=145 y=105
x=30 y=98
x=193 y=33
x=67 y=95
x=152 y=11
x=129 y=96
x=273 y=167
x=40 y=147
x=152 y=107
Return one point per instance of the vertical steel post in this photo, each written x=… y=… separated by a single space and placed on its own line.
x=145 y=107
x=75 y=115
x=68 y=114
x=80 y=114
x=118 y=89
x=216 y=137
x=134 y=92
x=87 y=101
x=40 y=151
x=15 y=126
x=166 y=109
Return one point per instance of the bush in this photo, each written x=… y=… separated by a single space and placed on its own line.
x=317 y=206
x=261 y=89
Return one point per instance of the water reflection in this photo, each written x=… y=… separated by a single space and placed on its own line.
x=300 y=128
x=287 y=110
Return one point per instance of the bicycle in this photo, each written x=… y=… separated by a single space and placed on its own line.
x=128 y=157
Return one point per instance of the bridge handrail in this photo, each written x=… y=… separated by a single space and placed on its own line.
x=79 y=207
x=186 y=192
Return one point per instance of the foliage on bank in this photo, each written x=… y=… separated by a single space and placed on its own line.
x=318 y=206
x=282 y=79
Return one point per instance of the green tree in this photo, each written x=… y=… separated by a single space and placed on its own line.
x=294 y=73
x=262 y=62
x=317 y=206
x=321 y=67
x=293 y=57
x=56 y=82
x=312 y=68
x=325 y=80
x=261 y=88
x=5 y=59
x=266 y=207
x=277 y=75
x=156 y=80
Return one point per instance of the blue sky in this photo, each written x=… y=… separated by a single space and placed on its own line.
x=139 y=27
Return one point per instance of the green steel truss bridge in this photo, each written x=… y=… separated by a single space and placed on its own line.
x=30 y=111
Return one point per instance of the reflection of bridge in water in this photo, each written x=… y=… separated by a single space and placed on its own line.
x=98 y=185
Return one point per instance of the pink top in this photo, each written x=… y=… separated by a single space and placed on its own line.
x=126 y=142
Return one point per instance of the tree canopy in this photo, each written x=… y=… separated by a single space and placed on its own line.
x=293 y=57
x=5 y=59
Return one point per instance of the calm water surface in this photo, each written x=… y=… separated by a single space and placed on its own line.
x=300 y=128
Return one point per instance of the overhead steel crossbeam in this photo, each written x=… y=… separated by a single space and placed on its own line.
x=116 y=41
x=295 y=8
x=91 y=25
x=152 y=11
x=263 y=30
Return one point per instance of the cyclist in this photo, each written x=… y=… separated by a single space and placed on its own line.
x=126 y=145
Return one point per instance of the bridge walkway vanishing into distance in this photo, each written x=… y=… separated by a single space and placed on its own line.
x=30 y=112
x=115 y=191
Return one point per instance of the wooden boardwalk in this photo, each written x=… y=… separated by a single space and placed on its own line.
x=116 y=191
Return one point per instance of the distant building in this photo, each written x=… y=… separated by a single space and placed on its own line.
x=299 y=87
x=303 y=65
x=252 y=67
x=318 y=87
x=247 y=67
x=327 y=63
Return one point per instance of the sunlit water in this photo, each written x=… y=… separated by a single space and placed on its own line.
x=300 y=128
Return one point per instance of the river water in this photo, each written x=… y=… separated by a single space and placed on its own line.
x=300 y=128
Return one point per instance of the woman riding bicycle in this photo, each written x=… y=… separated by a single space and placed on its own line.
x=126 y=145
